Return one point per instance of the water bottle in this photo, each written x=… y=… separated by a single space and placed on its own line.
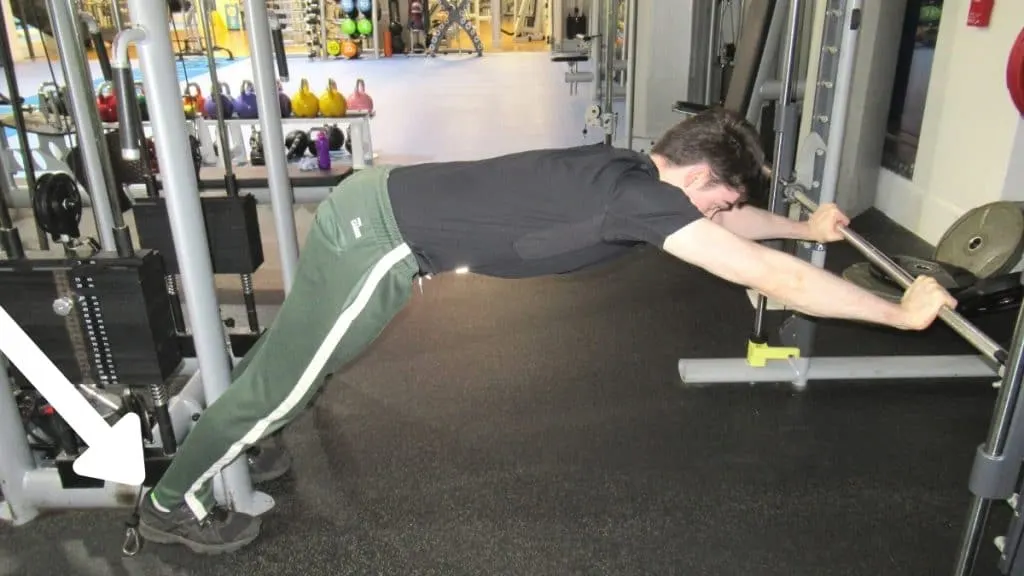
x=323 y=151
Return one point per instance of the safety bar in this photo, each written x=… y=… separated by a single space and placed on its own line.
x=961 y=326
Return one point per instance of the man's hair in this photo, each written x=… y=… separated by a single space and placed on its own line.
x=723 y=140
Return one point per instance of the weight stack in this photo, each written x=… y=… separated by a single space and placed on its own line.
x=105 y=320
x=232 y=228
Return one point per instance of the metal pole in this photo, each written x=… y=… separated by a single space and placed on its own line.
x=977 y=513
x=7 y=63
x=631 y=29
x=992 y=350
x=261 y=47
x=222 y=128
x=783 y=136
x=712 y=60
x=611 y=32
x=841 y=98
x=115 y=14
x=15 y=458
x=113 y=234
x=185 y=215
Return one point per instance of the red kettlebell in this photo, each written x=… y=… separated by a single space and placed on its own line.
x=106 y=102
x=359 y=100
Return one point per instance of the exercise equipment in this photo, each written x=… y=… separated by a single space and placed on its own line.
x=987 y=240
x=245 y=105
x=57 y=206
x=364 y=26
x=296 y=142
x=333 y=47
x=364 y=6
x=193 y=102
x=359 y=100
x=813 y=167
x=256 y=157
x=456 y=18
x=1015 y=72
x=350 y=49
x=106 y=102
x=226 y=102
x=348 y=26
x=305 y=104
x=332 y=104
x=284 y=101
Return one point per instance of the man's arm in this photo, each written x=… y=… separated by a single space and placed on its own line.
x=757 y=224
x=779 y=276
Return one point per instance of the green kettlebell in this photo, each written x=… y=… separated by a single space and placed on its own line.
x=348 y=26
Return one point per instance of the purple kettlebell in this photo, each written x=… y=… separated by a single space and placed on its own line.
x=286 y=102
x=224 y=94
x=245 y=105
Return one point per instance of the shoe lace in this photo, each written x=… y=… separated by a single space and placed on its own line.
x=218 y=514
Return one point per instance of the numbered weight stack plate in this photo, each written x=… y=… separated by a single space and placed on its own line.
x=986 y=241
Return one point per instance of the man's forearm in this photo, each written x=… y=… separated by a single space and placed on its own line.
x=757 y=224
x=816 y=292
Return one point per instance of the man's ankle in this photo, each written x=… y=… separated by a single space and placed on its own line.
x=156 y=503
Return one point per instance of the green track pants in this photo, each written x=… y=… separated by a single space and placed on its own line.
x=355 y=273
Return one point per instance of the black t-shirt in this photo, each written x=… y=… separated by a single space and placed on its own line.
x=535 y=213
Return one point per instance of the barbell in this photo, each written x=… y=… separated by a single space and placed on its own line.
x=969 y=332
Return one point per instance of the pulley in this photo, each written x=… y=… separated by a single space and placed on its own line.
x=57 y=205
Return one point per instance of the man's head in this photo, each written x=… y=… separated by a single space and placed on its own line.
x=714 y=157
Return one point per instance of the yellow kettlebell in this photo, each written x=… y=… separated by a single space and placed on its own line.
x=332 y=103
x=304 y=102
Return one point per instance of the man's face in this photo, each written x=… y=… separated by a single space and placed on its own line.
x=712 y=199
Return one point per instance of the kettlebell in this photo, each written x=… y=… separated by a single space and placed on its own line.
x=140 y=90
x=106 y=102
x=284 y=101
x=304 y=103
x=332 y=103
x=245 y=105
x=335 y=138
x=224 y=94
x=347 y=6
x=256 y=157
x=359 y=100
x=296 y=143
x=364 y=26
x=364 y=6
x=348 y=139
x=193 y=102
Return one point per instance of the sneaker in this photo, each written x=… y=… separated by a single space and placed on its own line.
x=267 y=461
x=221 y=531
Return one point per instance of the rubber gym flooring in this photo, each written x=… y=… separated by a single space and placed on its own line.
x=537 y=427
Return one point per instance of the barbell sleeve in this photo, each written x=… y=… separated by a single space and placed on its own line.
x=981 y=341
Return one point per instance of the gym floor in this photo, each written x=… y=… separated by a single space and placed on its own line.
x=538 y=426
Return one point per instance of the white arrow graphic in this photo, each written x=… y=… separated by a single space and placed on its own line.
x=114 y=453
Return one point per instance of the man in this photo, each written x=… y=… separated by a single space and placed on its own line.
x=522 y=215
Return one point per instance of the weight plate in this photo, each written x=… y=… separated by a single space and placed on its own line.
x=949 y=277
x=985 y=241
x=1015 y=72
x=861 y=275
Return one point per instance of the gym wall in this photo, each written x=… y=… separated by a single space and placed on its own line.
x=972 y=139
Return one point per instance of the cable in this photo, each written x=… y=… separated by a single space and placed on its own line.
x=53 y=75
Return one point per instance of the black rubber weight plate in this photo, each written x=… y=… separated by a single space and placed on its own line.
x=986 y=241
x=862 y=275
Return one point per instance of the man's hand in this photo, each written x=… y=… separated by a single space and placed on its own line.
x=825 y=222
x=922 y=301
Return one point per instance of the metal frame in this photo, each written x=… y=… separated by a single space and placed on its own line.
x=29 y=488
x=817 y=171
